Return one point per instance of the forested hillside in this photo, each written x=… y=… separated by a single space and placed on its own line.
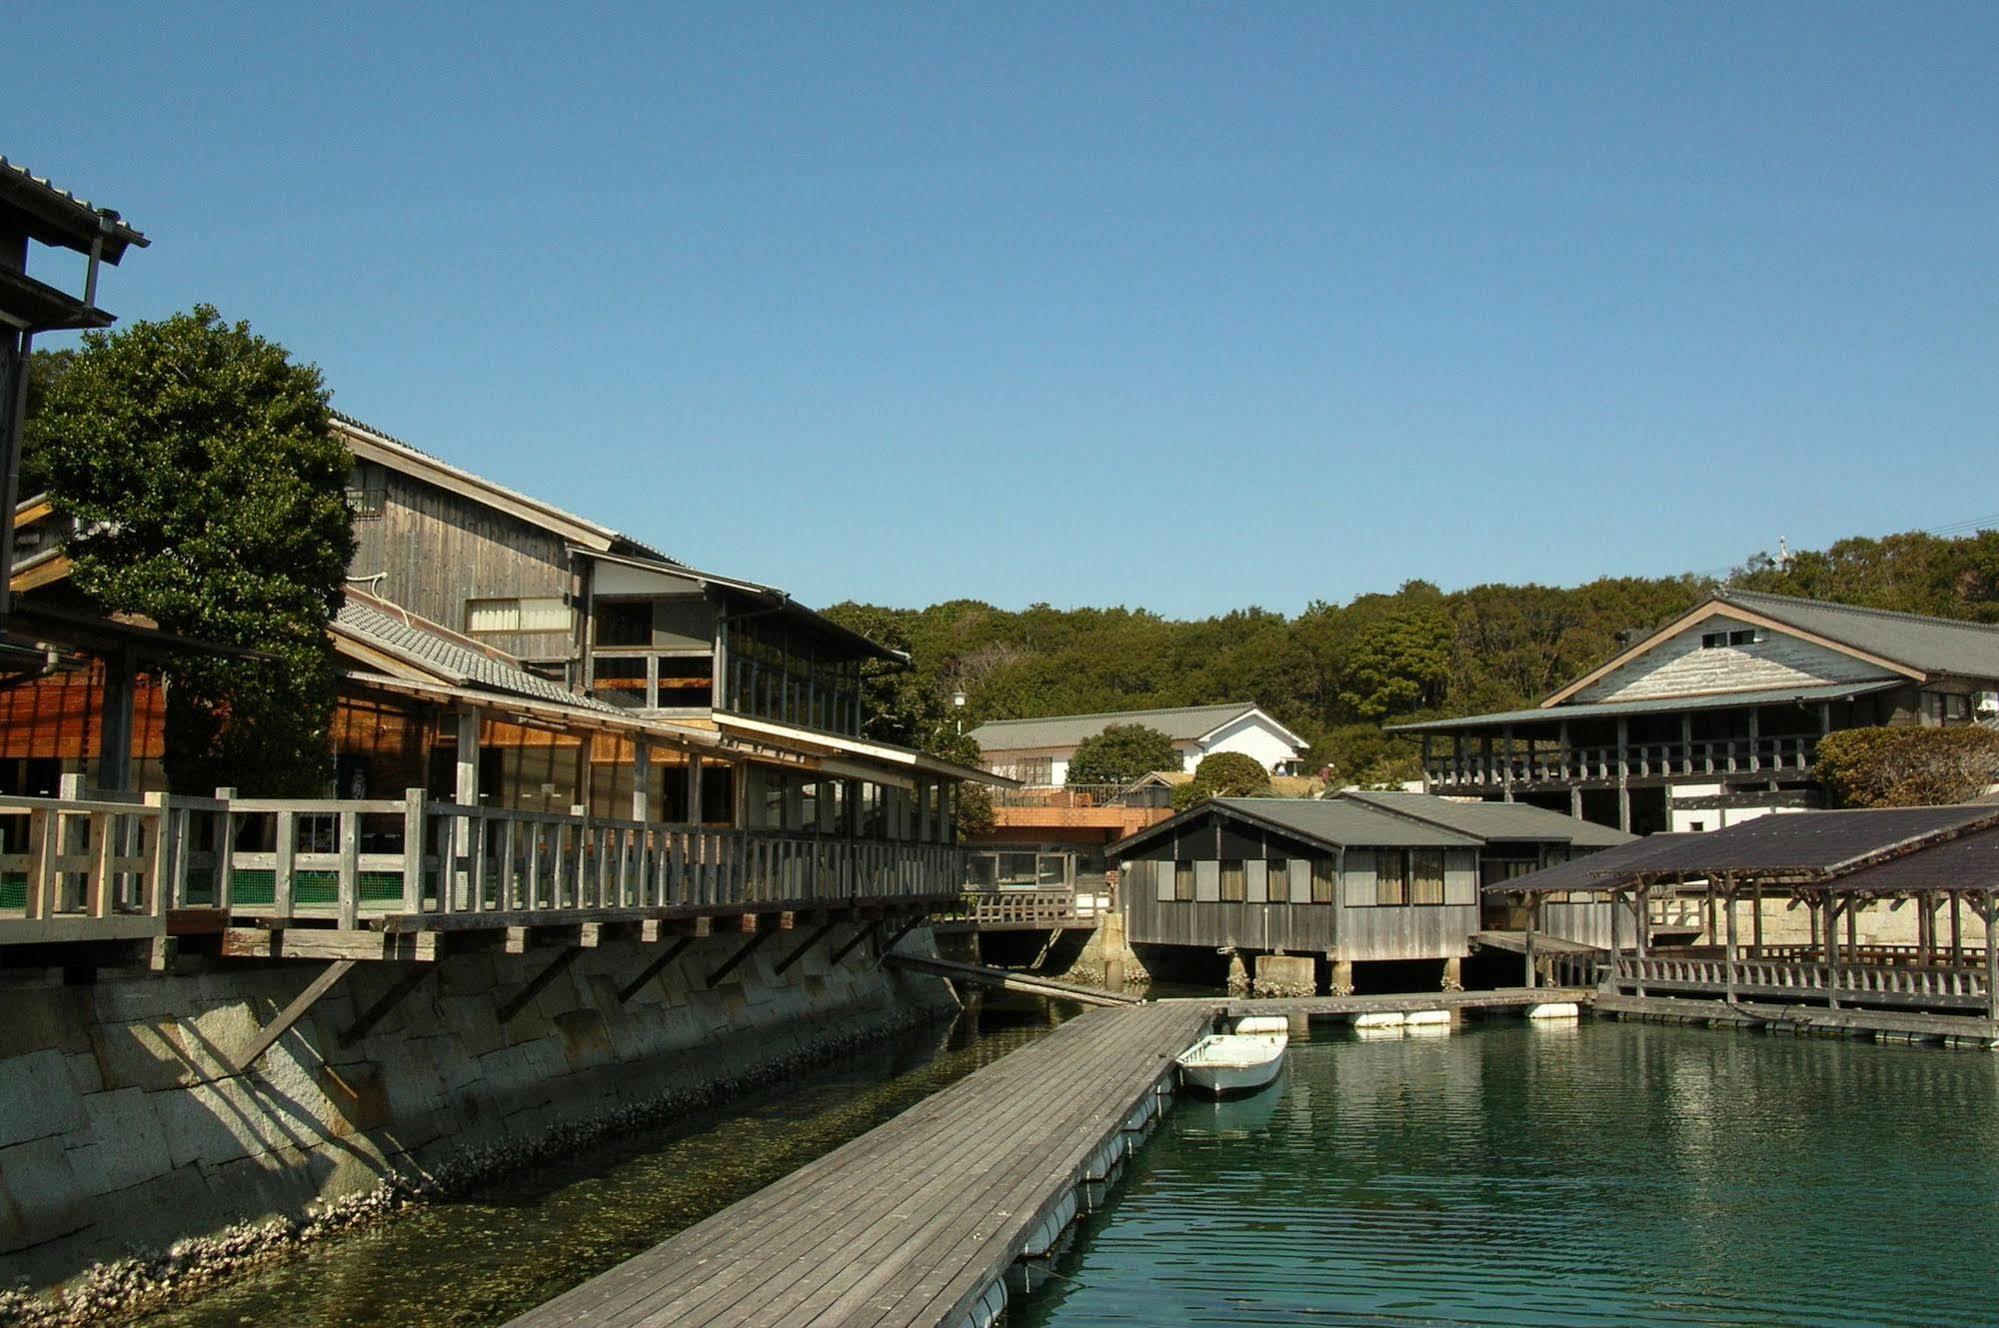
x=1337 y=672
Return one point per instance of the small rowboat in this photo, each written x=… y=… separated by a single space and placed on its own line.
x=1237 y=1063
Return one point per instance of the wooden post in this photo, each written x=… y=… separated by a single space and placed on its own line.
x=1956 y=929
x=114 y=756
x=1506 y=768
x=1686 y=744
x=284 y=876
x=641 y=779
x=1728 y=963
x=1624 y=774
x=694 y=808
x=160 y=872
x=413 y=821
x=1988 y=913
x=350 y=869
x=1755 y=741
x=1832 y=949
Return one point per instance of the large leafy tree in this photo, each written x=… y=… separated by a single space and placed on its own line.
x=1121 y=754
x=208 y=491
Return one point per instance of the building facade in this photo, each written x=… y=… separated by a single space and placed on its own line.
x=1037 y=751
x=1716 y=717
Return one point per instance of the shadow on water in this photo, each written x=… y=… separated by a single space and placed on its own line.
x=489 y=1255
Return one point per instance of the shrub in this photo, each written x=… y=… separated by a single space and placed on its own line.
x=1907 y=767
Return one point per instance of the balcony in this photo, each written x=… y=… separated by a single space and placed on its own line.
x=1717 y=758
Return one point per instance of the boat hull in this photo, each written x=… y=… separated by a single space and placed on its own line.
x=1225 y=1065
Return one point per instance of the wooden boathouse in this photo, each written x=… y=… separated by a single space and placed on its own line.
x=1356 y=879
x=1778 y=920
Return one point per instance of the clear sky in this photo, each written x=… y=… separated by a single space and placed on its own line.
x=1173 y=305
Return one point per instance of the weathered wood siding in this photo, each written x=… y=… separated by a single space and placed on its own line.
x=1589 y=923
x=437 y=550
x=1344 y=929
x=1680 y=666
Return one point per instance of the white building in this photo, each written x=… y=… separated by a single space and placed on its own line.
x=1036 y=751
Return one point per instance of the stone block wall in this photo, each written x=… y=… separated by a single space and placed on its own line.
x=122 y=1129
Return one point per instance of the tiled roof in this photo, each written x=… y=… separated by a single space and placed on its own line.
x=60 y=217
x=1495 y=820
x=1180 y=723
x=1934 y=645
x=1658 y=705
x=430 y=648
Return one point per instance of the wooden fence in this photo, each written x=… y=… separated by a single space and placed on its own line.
x=1903 y=985
x=106 y=869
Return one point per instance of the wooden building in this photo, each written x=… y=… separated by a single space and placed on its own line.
x=1356 y=879
x=1716 y=717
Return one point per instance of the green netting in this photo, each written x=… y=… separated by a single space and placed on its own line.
x=257 y=886
x=13 y=890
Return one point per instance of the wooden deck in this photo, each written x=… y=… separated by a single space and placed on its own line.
x=908 y=1225
x=1006 y=979
x=1334 y=1007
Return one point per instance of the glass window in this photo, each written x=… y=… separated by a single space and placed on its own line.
x=1183 y=881
x=624 y=622
x=1426 y=876
x=1054 y=871
x=1018 y=869
x=1235 y=881
x=1391 y=877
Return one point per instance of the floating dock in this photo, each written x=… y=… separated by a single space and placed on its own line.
x=913 y=1224
x=1515 y=1000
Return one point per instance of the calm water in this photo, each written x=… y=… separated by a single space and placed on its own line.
x=482 y=1260
x=1611 y=1174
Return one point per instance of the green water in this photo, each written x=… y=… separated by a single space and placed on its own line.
x=483 y=1259
x=1607 y=1174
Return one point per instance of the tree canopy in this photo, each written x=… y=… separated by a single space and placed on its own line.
x=1122 y=754
x=1223 y=775
x=1908 y=767
x=208 y=492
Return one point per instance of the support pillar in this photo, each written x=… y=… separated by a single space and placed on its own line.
x=1728 y=961
x=1624 y=775
x=1340 y=982
x=696 y=812
x=1991 y=962
x=1454 y=975
x=641 y=780
x=1756 y=922
x=1506 y=770
x=114 y=760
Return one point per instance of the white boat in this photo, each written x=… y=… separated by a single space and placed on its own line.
x=1235 y=1063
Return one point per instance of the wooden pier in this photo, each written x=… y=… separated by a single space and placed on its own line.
x=1030 y=984
x=911 y=1224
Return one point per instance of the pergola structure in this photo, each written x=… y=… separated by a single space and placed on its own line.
x=1941 y=860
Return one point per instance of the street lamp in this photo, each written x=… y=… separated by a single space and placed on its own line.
x=958 y=705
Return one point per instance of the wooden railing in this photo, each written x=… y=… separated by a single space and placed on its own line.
x=1024 y=910
x=1941 y=987
x=1641 y=760
x=91 y=870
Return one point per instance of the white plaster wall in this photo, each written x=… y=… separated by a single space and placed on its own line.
x=1254 y=738
x=1680 y=666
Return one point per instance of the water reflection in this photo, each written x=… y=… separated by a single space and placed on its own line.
x=1602 y=1175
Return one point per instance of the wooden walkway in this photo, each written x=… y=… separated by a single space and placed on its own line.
x=1334 y=1007
x=908 y=1225
x=1007 y=979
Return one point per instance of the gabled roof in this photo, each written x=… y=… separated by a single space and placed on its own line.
x=1329 y=822
x=1495 y=821
x=57 y=217
x=1933 y=645
x=1180 y=723
x=1661 y=705
x=440 y=653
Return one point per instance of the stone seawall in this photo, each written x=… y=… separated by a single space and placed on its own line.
x=122 y=1131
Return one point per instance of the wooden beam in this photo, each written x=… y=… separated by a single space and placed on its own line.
x=390 y=999
x=742 y=953
x=874 y=924
x=654 y=969
x=535 y=985
x=818 y=934
x=292 y=1013
x=896 y=939
x=327 y=943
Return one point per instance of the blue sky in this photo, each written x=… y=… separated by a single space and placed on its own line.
x=1181 y=306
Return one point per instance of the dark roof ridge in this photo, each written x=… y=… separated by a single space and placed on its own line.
x=1115 y=714
x=1735 y=596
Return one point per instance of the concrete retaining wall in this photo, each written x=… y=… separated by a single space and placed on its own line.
x=121 y=1131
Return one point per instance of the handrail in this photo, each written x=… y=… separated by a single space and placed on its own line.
x=102 y=868
x=1943 y=986
x=1792 y=754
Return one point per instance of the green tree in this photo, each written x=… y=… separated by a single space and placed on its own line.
x=1223 y=775
x=1908 y=767
x=208 y=492
x=1121 y=754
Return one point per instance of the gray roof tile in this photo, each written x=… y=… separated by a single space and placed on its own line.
x=1934 y=645
x=1180 y=723
x=1495 y=820
x=466 y=666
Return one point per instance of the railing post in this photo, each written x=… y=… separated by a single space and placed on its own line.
x=159 y=874
x=284 y=871
x=413 y=837
x=224 y=831
x=350 y=869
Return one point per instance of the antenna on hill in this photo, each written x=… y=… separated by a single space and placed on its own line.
x=1783 y=554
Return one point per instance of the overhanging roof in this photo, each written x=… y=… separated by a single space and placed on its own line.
x=1809 y=846
x=1968 y=864
x=1922 y=642
x=55 y=216
x=1332 y=823
x=1180 y=723
x=1553 y=715
x=1495 y=822
x=863 y=749
x=1604 y=870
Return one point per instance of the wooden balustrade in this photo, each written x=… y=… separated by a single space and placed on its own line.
x=1028 y=910
x=1640 y=760
x=81 y=870
x=1793 y=979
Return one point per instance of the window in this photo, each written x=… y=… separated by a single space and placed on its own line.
x=1740 y=636
x=1325 y=875
x=1277 y=877
x=540 y=614
x=1391 y=877
x=1426 y=876
x=624 y=622
x=1183 y=881
x=367 y=491
x=1235 y=881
